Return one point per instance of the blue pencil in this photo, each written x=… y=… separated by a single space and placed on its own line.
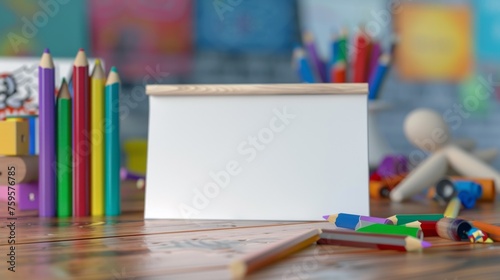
x=353 y=221
x=112 y=145
x=377 y=79
x=302 y=66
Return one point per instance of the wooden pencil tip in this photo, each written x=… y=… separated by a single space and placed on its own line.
x=326 y=217
x=113 y=69
x=64 y=91
x=46 y=50
x=238 y=270
x=97 y=61
x=81 y=49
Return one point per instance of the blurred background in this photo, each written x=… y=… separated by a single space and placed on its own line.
x=445 y=55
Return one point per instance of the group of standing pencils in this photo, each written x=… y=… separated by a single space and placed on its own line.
x=79 y=168
x=369 y=64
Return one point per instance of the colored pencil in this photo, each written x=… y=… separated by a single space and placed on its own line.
x=302 y=66
x=392 y=229
x=352 y=221
x=319 y=66
x=402 y=219
x=427 y=227
x=360 y=63
x=342 y=47
x=81 y=135
x=375 y=54
x=453 y=208
x=47 y=157
x=338 y=72
x=112 y=144
x=492 y=230
x=372 y=240
x=98 y=80
x=453 y=229
x=252 y=262
x=64 y=153
x=377 y=79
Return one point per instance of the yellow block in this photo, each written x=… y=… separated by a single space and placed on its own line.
x=136 y=152
x=14 y=138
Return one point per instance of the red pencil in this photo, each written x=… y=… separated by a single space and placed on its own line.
x=338 y=72
x=81 y=149
x=362 y=48
x=427 y=227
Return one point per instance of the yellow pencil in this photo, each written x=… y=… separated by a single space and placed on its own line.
x=453 y=208
x=98 y=81
x=242 y=267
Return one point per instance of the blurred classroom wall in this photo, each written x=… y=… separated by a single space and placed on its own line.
x=251 y=41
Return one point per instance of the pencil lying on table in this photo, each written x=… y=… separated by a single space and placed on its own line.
x=402 y=219
x=352 y=221
x=253 y=262
x=492 y=230
x=427 y=227
x=372 y=240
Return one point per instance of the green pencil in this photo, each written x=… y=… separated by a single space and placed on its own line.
x=64 y=166
x=392 y=229
x=112 y=145
x=402 y=219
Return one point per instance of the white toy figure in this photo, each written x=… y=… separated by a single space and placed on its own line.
x=427 y=130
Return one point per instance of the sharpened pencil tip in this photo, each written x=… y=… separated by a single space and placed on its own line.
x=426 y=244
x=326 y=217
x=46 y=50
x=113 y=69
x=81 y=49
x=64 y=80
x=97 y=61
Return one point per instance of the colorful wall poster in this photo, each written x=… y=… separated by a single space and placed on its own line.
x=139 y=37
x=246 y=26
x=19 y=83
x=28 y=27
x=435 y=42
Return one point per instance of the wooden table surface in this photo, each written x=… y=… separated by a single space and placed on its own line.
x=129 y=247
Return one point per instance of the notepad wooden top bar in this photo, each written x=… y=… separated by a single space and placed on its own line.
x=257 y=89
x=129 y=247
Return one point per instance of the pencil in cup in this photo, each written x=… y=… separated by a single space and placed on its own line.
x=64 y=153
x=372 y=240
x=379 y=74
x=392 y=229
x=302 y=66
x=47 y=135
x=252 y=262
x=354 y=222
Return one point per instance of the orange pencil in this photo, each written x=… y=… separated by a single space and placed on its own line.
x=493 y=231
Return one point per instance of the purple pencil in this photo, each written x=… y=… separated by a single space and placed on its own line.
x=318 y=64
x=125 y=174
x=375 y=54
x=47 y=153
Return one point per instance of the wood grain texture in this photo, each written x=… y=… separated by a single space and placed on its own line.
x=129 y=247
x=257 y=89
x=26 y=169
